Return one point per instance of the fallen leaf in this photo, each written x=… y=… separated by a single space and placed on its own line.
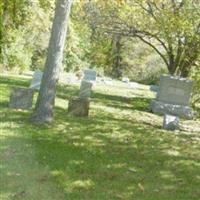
x=141 y=187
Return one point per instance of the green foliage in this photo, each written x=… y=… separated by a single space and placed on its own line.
x=102 y=36
x=196 y=94
x=24 y=30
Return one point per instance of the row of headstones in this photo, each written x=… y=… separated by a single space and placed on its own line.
x=172 y=98
x=22 y=98
x=173 y=101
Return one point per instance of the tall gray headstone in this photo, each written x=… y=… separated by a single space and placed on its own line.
x=85 y=89
x=36 y=81
x=21 y=98
x=173 y=97
x=175 y=90
x=90 y=75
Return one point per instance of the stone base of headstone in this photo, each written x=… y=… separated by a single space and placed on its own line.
x=21 y=98
x=79 y=107
x=172 y=109
x=170 y=122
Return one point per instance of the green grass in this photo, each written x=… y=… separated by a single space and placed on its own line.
x=119 y=152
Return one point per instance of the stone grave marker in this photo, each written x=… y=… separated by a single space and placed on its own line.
x=173 y=97
x=36 y=81
x=90 y=75
x=79 y=106
x=125 y=80
x=170 y=122
x=85 y=89
x=21 y=98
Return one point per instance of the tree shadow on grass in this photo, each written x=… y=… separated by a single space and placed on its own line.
x=105 y=156
x=90 y=158
x=133 y=103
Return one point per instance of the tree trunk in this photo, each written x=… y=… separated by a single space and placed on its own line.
x=117 y=68
x=43 y=112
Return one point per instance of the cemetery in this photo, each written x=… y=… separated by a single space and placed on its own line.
x=100 y=100
x=104 y=134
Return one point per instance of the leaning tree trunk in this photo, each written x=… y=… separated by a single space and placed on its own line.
x=43 y=112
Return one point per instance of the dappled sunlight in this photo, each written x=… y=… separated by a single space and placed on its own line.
x=118 y=152
x=167 y=175
x=81 y=185
x=172 y=152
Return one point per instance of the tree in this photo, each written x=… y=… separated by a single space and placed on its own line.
x=43 y=112
x=170 y=27
x=24 y=33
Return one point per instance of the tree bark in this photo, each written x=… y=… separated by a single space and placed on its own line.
x=43 y=112
x=117 y=68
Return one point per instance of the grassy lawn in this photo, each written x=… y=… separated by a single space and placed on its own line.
x=119 y=152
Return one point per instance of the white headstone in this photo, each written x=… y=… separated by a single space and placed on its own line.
x=36 y=81
x=90 y=75
x=85 y=89
x=125 y=79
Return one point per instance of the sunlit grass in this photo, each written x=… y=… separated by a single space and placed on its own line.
x=119 y=152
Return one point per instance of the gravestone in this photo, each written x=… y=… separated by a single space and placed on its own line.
x=90 y=75
x=79 y=107
x=125 y=80
x=170 y=122
x=85 y=89
x=21 y=98
x=36 y=81
x=173 y=97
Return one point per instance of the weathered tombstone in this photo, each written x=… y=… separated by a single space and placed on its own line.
x=85 y=89
x=173 y=97
x=36 y=81
x=125 y=80
x=21 y=98
x=79 y=107
x=170 y=122
x=90 y=75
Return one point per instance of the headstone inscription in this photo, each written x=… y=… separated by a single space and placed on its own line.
x=90 y=75
x=173 y=97
x=170 y=122
x=21 y=98
x=36 y=81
